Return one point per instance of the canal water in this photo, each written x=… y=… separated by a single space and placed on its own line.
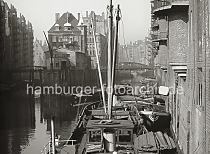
x=25 y=121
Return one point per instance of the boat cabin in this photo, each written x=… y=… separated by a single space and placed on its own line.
x=109 y=136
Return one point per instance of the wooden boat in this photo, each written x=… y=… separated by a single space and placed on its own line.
x=106 y=130
x=156 y=121
x=103 y=127
x=95 y=134
x=154 y=116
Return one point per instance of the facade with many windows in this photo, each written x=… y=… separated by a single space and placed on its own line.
x=180 y=29
x=199 y=76
x=66 y=33
x=99 y=24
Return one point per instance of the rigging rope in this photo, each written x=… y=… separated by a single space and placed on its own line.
x=98 y=66
x=123 y=29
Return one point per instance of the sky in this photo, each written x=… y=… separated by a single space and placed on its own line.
x=41 y=13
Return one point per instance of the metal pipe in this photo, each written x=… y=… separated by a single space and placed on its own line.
x=51 y=52
x=49 y=147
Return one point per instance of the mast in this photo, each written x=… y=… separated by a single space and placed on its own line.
x=109 y=67
x=52 y=135
x=115 y=47
x=51 y=52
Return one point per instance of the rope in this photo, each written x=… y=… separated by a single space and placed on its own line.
x=123 y=29
x=99 y=67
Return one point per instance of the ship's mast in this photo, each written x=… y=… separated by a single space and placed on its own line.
x=109 y=62
x=51 y=52
x=115 y=47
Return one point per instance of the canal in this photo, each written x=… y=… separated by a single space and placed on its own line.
x=25 y=121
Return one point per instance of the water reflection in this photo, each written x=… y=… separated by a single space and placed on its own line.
x=25 y=121
x=61 y=108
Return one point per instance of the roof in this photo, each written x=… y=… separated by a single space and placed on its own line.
x=65 y=18
x=114 y=124
x=65 y=50
x=81 y=22
x=171 y=5
x=127 y=98
x=165 y=141
x=151 y=142
x=67 y=25
x=133 y=66
x=114 y=113
x=146 y=143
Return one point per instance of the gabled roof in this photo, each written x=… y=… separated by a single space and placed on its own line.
x=81 y=21
x=63 y=20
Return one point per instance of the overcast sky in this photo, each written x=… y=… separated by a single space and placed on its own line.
x=41 y=13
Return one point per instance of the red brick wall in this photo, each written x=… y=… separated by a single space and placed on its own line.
x=178 y=37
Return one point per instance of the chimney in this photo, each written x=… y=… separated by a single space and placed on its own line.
x=86 y=13
x=78 y=17
x=57 y=16
x=103 y=15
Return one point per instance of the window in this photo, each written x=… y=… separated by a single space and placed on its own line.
x=57 y=28
x=188 y=117
x=95 y=136
x=200 y=94
x=199 y=87
x=209 y=27
x=199 y=30
x=60 y=39
x=57 y=64
x=124 y=135
x=53 y=38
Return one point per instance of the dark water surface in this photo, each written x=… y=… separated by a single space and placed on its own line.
x=25 y=121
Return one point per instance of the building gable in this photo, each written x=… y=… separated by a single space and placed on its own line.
x=63 y=19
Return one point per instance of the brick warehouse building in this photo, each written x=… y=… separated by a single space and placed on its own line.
x=180 y=30
x=66 y=33
x=100 y=25
x=137 y=52
x=16 y=40
x=198 y=96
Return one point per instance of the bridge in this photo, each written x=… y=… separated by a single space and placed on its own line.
x=133 y=66
x=30 y=74
x=40 y=75
x=29 y=68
